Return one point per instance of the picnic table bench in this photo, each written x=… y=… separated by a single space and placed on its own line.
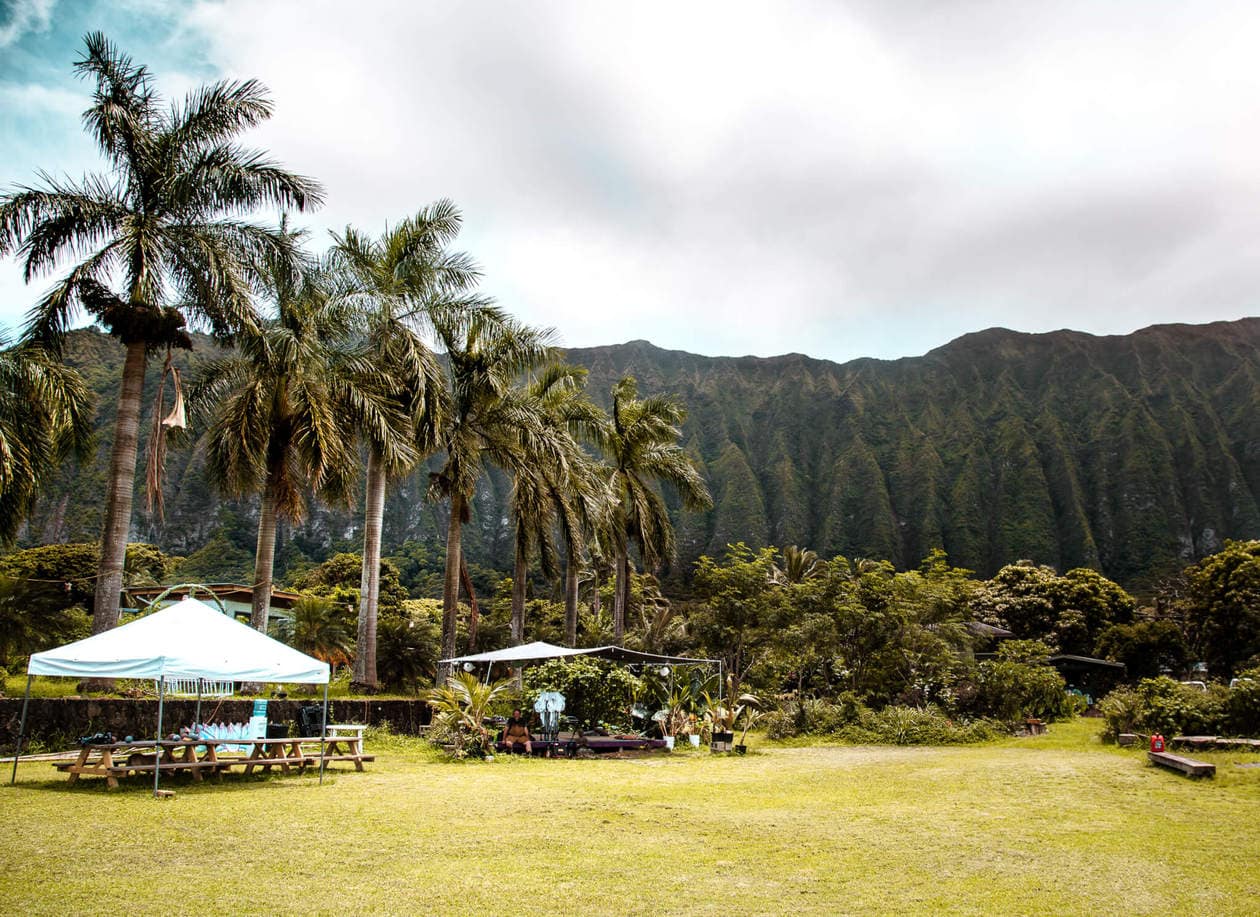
x=1188 y=766
x=124 y=759
x=349 y=735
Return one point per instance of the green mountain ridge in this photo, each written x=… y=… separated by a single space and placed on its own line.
x=1133 y=454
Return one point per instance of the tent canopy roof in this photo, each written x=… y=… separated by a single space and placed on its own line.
x=187 y=640
x=538 y=650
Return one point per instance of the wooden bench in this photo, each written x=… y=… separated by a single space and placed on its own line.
x=345 y=743
x=1187 y=766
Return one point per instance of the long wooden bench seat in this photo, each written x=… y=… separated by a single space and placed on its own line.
x=1188 y=766
x=125 y=769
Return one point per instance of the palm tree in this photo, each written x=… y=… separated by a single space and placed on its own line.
x=799 y=565
x=462 y=705
x=165 y=221
x=559 y=488
x=319 y=631
x=490 y=420
x=399 y=280
x=45 y=412
x=660 y=628
x=279 y=408
x=641 y=445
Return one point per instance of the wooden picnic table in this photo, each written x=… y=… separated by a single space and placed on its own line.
x=123 y=759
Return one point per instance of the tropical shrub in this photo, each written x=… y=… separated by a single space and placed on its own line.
x=1015 y=686
x=408 y=645
x=460 y=708
x=814 y=716
x=898 y=725
x=1146 y=648
x=781 y=724
x=594 y=690
x=1161 y=705
x=1242 y=710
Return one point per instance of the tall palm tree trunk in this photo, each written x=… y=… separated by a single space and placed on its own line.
x=450 y=585
x=122 y=483
x=264 y=560
x=571 y=599
x=370 y=585
x=520 y=570
x=621 y=594
x=474 y=613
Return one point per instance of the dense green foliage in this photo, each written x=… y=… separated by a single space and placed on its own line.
x=1170 y=708
x=45 y=412
x=1015 y=684
x=1137 y=444
x=1223 y=604
x=1066 y=612
x=45 y=594
x=1146 y=648
x=595 y=690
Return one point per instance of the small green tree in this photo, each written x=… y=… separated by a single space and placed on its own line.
x=460 y=707
x=595 y=690
x=1147 y=648
x=320 y=629
x=1223 y=604
x=1018 y=684
x=408 y=645
x=738 y=602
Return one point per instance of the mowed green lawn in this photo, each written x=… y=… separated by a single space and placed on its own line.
x=1053 y=825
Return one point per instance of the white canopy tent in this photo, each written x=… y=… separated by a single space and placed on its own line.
x=188 y=640
x=540 y=650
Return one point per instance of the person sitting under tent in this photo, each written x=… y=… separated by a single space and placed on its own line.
x=516 y=736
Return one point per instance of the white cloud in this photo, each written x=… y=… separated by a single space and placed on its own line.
x=26 y=16
x=842 y=180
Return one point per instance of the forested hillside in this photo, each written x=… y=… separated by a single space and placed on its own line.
x=1131 y=454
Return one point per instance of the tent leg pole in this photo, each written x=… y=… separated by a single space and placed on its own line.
x=17 y=752
x=323 y=734
x=197 y=715
x=157 y=749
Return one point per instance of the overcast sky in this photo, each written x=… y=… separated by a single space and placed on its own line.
x=842 y=180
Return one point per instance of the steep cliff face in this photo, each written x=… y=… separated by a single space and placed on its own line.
x=1132 y=454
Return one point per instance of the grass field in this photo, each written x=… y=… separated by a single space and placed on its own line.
x=1053 y=825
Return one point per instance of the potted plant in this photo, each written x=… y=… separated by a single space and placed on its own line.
x=721 y=719
x=692 y=729
x=723 y=714
x=751 y=716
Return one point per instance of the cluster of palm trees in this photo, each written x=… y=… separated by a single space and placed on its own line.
x=379 y=354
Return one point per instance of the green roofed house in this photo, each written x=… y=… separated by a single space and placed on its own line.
x=234 y=597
